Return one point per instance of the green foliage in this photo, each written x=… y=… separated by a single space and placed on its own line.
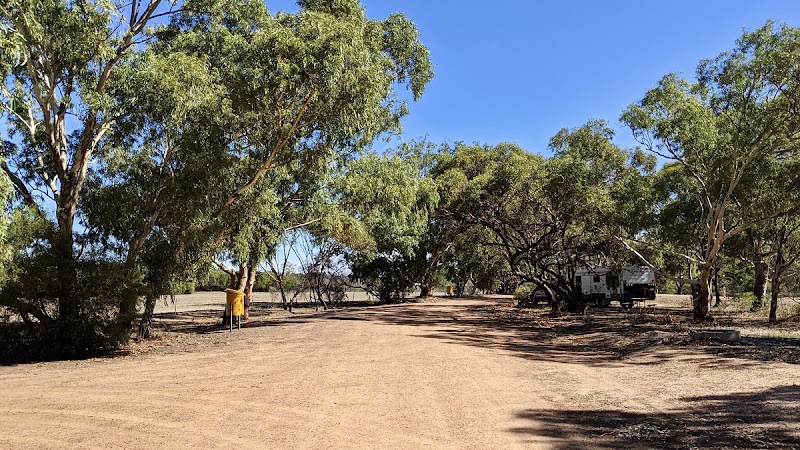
x=733 y=138
x=390 y=198
x=211 y=278
x=524 y=292
x=31 y=292
x=394 y=201
x=389 y=279
x=291 y=282
x=182 y=287
x=469 y=259
x=547 y=217
x=212 y=135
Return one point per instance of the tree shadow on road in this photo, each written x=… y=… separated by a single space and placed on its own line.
x=610 y=339
x=210 y=321
x=766 y=419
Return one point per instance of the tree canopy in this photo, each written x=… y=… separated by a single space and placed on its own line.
x=152 y=133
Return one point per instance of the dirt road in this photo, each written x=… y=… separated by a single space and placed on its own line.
x=433 y=375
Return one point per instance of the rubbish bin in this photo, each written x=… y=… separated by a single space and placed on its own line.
x=234 y=306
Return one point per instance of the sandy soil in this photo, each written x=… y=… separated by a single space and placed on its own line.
x=452 y=374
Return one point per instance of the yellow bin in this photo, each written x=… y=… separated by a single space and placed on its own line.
x=234 y=302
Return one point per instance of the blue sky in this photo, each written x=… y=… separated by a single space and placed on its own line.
x=519 y=71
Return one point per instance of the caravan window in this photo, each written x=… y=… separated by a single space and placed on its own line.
x=597 y=278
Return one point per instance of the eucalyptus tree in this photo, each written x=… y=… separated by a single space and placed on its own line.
x=598 y=192
x=393 y=201
x=58 y=98
x=782 y=234
x=550 y=216
x=739 y=116
x=669 y=242
x=183 y=122
x=288 y=197
x=309 y=88
x=471 y=257
x=499 y=189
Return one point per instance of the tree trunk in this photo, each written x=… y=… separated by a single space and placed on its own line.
x=555 y=304
x=760 y=286
x=286 y=305
x=318 y=290
x=146 y=322
x=460 y=284
x=573 y=303
x=780 y=265
x=773 y=304
x=716 y=287
x=424 y=290
x=679 y=288
x=427 y=283
x=68 y=303
x=238 y=282
x=704 y=295
x=71 y=184
x=233 y=279
x=127 y=309
x=248 y=289
x=278 y=277
x=241 y=277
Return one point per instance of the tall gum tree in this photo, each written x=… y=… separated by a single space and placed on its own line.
x=57 y=99
x=741 y=113
x=177 y=159
x=393 y=200
x=312 y=87
x=300 y=91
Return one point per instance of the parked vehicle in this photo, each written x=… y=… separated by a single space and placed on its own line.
x=529 y=296
x=600 y=286
x=539 y=295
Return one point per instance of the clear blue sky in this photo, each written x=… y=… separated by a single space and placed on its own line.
x=520 y=70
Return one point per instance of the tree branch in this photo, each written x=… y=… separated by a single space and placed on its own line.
x=19 y=185
x=274 y=152
x=658 y=271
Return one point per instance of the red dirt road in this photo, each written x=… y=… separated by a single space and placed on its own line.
x=433 y=375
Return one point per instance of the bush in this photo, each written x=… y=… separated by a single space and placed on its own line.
x=264 y=283
x=524 y=292
x=211 y=278
x=744 y=300
x=389 y=280
x=182 y=287
x=38 y=332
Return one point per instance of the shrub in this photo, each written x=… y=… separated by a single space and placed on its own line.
x=182 y=287
x=524 y=293
x=38 y=332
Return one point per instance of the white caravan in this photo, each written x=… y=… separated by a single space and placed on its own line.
x=599 y=285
